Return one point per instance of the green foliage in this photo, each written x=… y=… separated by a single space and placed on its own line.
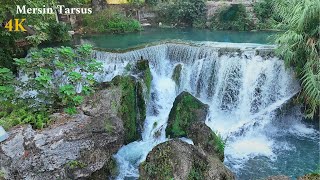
x=219 y=143
x=197 y=171
x=299 y=46
x=110 y=20
x=266 y=14
x=74 y=164
x=233 y=17
x=8 y=49
x=151 y=2
x=58 y=32
x=182 y=12
x=7 y=90
x=57 y=74
x=16 y=115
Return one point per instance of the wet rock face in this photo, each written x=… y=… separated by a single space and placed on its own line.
x=178 y=160
x=204 y=138
x=185 y=111
x=135 y=91
x=187 y=119
x=72 y=148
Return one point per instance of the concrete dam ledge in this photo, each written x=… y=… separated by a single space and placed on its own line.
x=218 y=48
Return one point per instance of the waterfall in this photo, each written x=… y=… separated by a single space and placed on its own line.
x=243 y=84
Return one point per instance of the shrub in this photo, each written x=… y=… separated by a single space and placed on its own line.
x=234 y=17
x=110 y=20
x=58 y=32
x=183 y=12
x=61 y=77
x=267 y=16
x=299 y=47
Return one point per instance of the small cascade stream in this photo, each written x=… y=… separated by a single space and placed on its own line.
x=245 y=92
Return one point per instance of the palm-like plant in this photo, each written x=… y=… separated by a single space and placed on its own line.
x=299 y=46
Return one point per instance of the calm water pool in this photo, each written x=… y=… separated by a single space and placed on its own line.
x=150 y=35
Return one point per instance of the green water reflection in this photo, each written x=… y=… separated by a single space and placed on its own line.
x=149 y=35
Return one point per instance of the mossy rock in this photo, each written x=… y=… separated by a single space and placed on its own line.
x=127 y=110
x=203 y=137
x=142 y=69
x=186 y=110
x=109 y=170
x=176 y=159
x=130 y=112
x=176 y=76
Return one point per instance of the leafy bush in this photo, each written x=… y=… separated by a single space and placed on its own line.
x=9 y=50
x=16 y=115
x=151 y=2
x=49 y=32
x=61 y=77
x=7 y=90
x=299 y=47
x=233 y=17
x=110 y=20
x=58 y=32
x=52 y=79
x=182 y=12
x=266 y=14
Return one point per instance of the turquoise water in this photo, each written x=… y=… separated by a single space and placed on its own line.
x=150 y=35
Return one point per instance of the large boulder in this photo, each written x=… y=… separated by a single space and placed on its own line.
x=73 y=147
x=187 y=119
x=178 y=160
x=204 y=138
x=186 y=110
x=135 y=92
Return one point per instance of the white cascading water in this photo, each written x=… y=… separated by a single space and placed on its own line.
x=242 y=89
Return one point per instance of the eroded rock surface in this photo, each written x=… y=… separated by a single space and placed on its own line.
x=71 y=148
x=178 y=160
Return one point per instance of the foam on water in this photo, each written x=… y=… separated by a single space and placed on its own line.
x=244 y=92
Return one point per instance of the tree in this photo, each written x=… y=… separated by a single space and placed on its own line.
x=299 y=46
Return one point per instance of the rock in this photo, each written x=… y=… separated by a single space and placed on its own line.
x=187 y=119
x=71 y=148
x=176 y=76
x=133 y=103
x=203 y=137
x=310 y=177
x=279 y=177
x=185 y=111
x=142 y=69
x=178 y=160
x=129 y=110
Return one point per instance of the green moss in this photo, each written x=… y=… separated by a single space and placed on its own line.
x=183 y=114
x=16 y=115
x=108 y=126
x=176 y=76
x=142 y=66
x=74 y=164
x=127 y=109
x=197 y=171
x=160 y=166
x=218 y=144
